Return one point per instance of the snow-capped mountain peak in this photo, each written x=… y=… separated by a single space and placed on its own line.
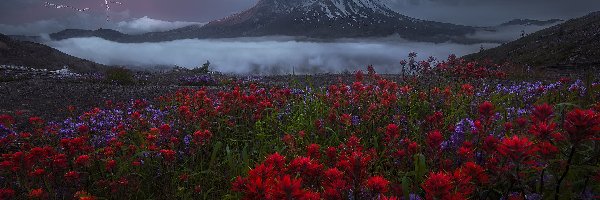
x=331 y=8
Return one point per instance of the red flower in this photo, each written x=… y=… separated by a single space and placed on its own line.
x=392 y=132
x=508 y=126
x=546 y=149
x=257 y=188
x=467 y=89
x=288 y=188
x=434 y=139
x=543 y=130
x=516 y=148
x=36 y=193
x=275 y=160
x=60 y=160
x=6 y=120
x=378 y=184
x=7 y=193
x=36 y=120
x=312 y=151
x=346 y=119
x=37 y=172
x=202 y=137
x=168 y=154
x=486 y=109
x=437 y=185
x=542 y=113
x=72 y=176
x=83 y=128
x=110 y=164
x=305 y=167
x=582 y=124
x=83 y=160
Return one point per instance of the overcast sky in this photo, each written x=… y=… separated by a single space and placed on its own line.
x=31 y=17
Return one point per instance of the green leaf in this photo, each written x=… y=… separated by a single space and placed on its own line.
x=405 y=187
x=214 y=153
x=420 y=167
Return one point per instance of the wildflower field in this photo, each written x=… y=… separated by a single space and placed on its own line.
x=446 y=130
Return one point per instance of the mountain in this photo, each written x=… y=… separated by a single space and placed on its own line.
x=531 y=22
x=322 y=19
x=31 y=54
x=575 y=41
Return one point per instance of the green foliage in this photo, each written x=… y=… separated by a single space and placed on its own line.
x=204 y=69
x=120 y=76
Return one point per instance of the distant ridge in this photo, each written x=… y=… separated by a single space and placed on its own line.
x=31 y=54
x=574 y=42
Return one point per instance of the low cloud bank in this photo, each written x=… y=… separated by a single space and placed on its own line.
x=262 y=55
x=146 y=24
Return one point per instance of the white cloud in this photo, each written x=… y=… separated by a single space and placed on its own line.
x=146 y=24
x=261 y=55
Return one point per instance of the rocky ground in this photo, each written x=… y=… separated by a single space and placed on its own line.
x=49 y=94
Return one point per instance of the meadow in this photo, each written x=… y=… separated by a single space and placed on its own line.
x=448 y=129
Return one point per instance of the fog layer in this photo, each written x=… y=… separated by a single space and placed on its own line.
x=261 y=55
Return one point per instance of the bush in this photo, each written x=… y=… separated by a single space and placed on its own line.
x=204 y=69
x=120 y=76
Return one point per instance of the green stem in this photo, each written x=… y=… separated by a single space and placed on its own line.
x=562 y=177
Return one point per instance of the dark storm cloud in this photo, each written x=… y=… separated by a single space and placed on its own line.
x=27 y=11
x=30 y=17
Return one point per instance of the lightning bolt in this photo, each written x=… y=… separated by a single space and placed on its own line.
x=60 y=6
x=107 y=7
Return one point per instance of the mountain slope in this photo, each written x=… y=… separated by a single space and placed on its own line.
x=329 y=19
x=574 y=42
x=530 y=22
x=30 y=54
x=323 y=19
x=108 y=34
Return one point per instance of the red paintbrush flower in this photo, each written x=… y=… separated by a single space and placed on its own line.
x=110 y=164
x=438 y=185
x=378 y=184
x=486 y=109
x=72 y=176
x=36 y=193
x=467 y=89
x=434 y=139
x=82 y=160
x=168 y=154
x=543 y=130
x=546 y=149
x=288 y=188
x=582 y=124
x=7 y=193
x=542 y=113
x=516 y=148
x=312 y=151
x=392 y=132
x=202 y=137
x=275 y=160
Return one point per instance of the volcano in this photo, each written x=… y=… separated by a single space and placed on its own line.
x=320 y=19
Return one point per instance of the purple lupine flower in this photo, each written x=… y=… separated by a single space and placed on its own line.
x=355 y=120
x=461 y=128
